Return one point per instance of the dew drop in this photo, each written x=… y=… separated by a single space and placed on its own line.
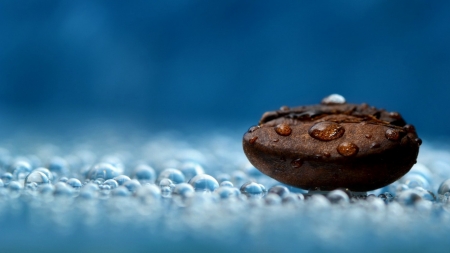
x=333 y=99
x=368 y=136
x=395 y=115
x=409 y=128
x=253 y=129
x=284 y=108
x=347 y=149
x=326 y=131
x=296 y=163
x=36 y=177
x=103 y=170
x=418 y=140
x=283 y=129
x=252 y=190
x=176 y=176
x=204 y=182
x=253 y=140
x=392 y=134
x=144 y=173
x=74 y=183
x=375 y=145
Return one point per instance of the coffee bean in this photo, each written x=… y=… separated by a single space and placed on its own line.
x=333 y=145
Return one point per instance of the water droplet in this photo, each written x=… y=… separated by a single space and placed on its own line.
x=272 y=199
x=375 y=145
x=296 y=163
x=46 y=172
x=326 y=154
x=191 y=169
x=36 y=177
x=418 y=140
x=444 y=187
x=338 y=196
x=409 y=128
x=6 y=178
x=20 y=169
x=184 y=190
x=132 y=185
x=253 y=129
x=103 y=170
x=392 y=134
x=368 y=136
x=284 y=108
x=14 y=186
x=293 y=198
x=226 y=192
x=74 y=183
x=347 y=149
x=121 y=179
x=253 y=139
x=333 y=99
x=283 y=129
x=279 y=190
x=112 y=183
x=144 y=173
x=174 y=175
x=395 y=115
x=326 y=131
x=252 y=190
x=276 y=140
x=226 y=184
x=62 y=190
x=204 y=182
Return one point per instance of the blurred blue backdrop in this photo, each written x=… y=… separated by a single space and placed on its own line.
x=222 y=61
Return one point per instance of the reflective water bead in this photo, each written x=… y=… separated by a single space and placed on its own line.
x=46 y=189
x=226 y=192
x=62 y=190
x=279 y=190
x=165 y=182
x=204 y=182
x=174 y=175
x=413 y=180
x=14 y=186
x=272 y=199
x=6 y=178
x=112 y=183
x=20 y=169
x=444 y=187
x=121 y=179
x=74 y=183
x=338 y=196
x=36 y=177
x=46 y=172
x=226 y=183
x=223 y=177
x=103 y=170
x=191 y=169
x=252 y=189
x=132 y=185
x=144 y=173
x=63 y=179
x=184 y=190
x=293 y=198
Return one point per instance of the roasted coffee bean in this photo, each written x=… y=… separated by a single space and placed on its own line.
x=333 y=145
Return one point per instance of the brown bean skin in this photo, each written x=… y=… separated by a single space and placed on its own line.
x=367 y=148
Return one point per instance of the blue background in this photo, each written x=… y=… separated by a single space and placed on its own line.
x=185 y=62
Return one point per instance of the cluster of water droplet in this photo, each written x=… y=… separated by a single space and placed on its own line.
x=205 y=193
